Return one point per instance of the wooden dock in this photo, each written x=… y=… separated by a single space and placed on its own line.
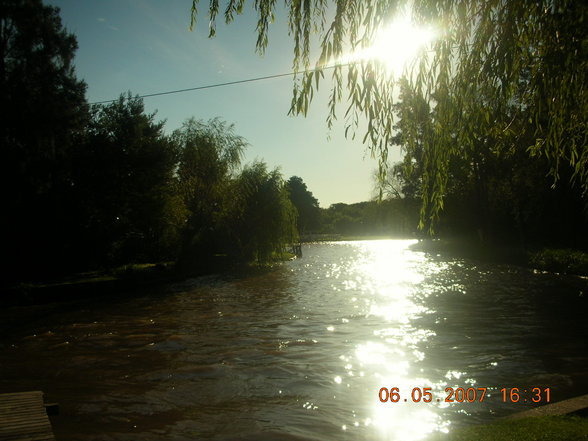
x=23 y=417
x=560 y=408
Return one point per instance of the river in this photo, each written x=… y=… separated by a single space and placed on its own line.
x=302 y=352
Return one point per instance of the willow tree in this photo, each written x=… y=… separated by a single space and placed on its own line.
x=209 y=155
x=487 y=45
x=262 y=219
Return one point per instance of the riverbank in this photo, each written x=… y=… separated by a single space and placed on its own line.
x=335 y=237
x=126 y=279
x=551 y=428
x=554 y=260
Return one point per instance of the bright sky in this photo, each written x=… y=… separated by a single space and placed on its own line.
x=145 y=46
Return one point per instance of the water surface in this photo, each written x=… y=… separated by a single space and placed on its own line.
x=303 y=350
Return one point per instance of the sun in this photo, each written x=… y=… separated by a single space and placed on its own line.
x=396 y=44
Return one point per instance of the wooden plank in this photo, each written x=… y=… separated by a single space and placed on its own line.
x=33 y=395
x=18 y=404
x=23 y=423
x=559 y=408
x=22 y=396
x=25 y=407
x=23 y=417
x=8 y=426
x=6 y=421
x=24 y=411
x=10 y=395
x=25 y=430
x=31 y=438
x=8 y=409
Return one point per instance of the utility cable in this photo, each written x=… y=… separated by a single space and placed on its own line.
x=229 y=83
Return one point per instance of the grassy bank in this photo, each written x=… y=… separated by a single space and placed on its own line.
x=105 y=282
x=126 y=280
x=564 y=261
x=552 y=428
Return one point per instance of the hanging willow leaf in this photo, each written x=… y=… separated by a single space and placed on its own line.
x=489 y=55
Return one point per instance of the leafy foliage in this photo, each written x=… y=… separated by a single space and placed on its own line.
x=124 y=172
x=262 y=217
x=492 y=188
x=488 y=54
x=566 y=261
x=209 y=155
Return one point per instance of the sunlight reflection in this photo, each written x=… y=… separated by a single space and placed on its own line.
x=401 y=421
x=405 y=419
x=390 y=278
x=399 y=311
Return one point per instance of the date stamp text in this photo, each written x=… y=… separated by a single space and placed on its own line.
x=464 y=395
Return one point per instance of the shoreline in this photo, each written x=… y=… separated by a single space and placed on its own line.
x=558 y=261
x=125 y=281
x=130 y=278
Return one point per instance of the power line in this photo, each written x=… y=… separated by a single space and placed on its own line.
x=210 y=86
x=248 y=80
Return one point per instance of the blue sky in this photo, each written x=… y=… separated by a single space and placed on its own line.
x=145 y=46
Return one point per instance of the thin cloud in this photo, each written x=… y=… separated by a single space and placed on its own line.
x=101 y=19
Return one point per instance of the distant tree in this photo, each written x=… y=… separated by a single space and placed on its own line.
x=395 y=217
x=209 y=155
x=124 y=181
x=42 y=106
x=306 y=205
x=262 y=219
x=398 y=183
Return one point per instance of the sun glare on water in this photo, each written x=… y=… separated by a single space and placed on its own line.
x=396 y=44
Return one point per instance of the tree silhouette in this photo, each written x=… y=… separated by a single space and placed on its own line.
x=43 y=107
x=124 y=182
x=306 y=205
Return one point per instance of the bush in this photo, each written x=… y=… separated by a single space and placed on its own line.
x=561 y=260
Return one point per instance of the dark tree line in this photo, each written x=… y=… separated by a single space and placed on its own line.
x=88 y=187
x=306 y=205
x=495 y=192
x=43 y=110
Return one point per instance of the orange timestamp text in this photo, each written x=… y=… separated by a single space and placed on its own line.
x=463 y=395
x=425 y=394
x=534 y=394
